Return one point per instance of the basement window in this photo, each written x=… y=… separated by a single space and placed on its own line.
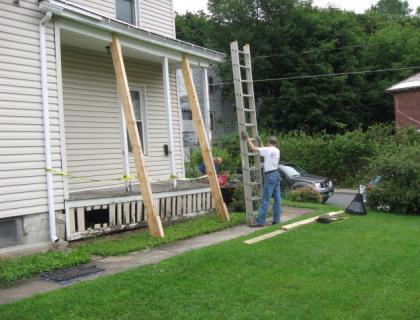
x=9 y=232
x=126 y=11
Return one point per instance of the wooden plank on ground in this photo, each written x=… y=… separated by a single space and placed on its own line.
x=308 y=221
x=299 y=223
x=153 y=219
x=265 y=236
x=288 y=227
x=203 y=139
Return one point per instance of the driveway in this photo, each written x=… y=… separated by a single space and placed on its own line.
x=342 y=197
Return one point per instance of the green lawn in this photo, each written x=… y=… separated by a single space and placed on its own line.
x=12 y=270
x=359 y=268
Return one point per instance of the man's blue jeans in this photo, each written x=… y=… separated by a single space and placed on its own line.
x=271 y=189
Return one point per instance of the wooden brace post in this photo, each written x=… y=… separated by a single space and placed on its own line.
x=203 y=140
x=153 y=219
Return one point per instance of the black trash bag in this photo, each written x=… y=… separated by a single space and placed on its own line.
x=357 y=206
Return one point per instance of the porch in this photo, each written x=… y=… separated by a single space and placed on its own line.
x=96 y=155
x=102 y=211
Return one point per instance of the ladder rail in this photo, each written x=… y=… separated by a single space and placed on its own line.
x=247 y=122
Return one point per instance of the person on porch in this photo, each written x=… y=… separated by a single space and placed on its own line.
x=217 y=165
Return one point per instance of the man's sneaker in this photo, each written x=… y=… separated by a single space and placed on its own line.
x=273 y=223
x=256 y=225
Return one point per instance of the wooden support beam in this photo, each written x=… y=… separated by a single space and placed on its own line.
x=203 y=140
x=153 y=219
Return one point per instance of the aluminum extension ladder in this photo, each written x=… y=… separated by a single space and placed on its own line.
x=247 y=122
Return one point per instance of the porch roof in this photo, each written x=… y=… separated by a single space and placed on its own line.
x=76 y=18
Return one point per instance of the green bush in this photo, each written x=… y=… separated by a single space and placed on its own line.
x=344 y=158
x=238 y=198
x=305 y=194
x=399 y=168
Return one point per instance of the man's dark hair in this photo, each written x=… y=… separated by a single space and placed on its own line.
x=272 y=141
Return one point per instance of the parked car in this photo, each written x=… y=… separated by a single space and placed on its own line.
x=293 y=177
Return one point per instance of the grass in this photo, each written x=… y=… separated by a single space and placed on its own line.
x=12 y=270
x=359 y=268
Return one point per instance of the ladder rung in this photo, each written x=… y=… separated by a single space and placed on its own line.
x=253 y=154
x=247 y=81
x=250 y=124
x=256 y=198
x=253 y=183
x=248 y=110
x=247 y=95
x=253 y=169
x=244 y=67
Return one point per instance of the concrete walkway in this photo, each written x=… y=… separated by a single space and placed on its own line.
x=117 y=264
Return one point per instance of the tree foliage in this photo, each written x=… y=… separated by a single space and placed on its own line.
x=291 y=38
x=392 y=8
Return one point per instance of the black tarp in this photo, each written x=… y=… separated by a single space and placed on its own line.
x=357 y=206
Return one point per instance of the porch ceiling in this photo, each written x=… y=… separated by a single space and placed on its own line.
x=134 y=40
x=78 y=40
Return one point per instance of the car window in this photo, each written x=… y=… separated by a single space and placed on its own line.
x=289 y=170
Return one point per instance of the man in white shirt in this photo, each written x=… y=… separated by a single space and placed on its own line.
x=271 y=156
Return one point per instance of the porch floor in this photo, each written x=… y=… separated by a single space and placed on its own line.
x=157 y=187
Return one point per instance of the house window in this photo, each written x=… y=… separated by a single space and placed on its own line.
x=126 y=11
x=139 y=105
x=212 y=121
x=211 y=84
x=186 y=114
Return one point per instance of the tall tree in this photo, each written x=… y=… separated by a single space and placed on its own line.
x=392 y=8
x=291 y=39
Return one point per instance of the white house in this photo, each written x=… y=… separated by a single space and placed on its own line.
x=65 y=164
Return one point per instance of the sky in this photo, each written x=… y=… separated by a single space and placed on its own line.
x=356 y=5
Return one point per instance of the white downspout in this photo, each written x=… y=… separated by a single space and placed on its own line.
x=206 y=103
x=167 y=90
x=46 y=120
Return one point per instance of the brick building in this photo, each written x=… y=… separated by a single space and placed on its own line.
x=407 y=102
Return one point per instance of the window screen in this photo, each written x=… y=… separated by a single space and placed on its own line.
x=126 y=11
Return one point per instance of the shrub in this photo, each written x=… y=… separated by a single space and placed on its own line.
x=238 y=203
x=400 y=183
x=305 y=194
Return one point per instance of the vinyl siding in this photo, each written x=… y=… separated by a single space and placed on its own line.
x=155 y=15
x=158 y=16
x=91 y=118
x=22 y=162
x=101 y=7
x=92 y=121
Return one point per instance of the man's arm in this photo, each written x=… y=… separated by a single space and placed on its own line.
x=250 y=144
